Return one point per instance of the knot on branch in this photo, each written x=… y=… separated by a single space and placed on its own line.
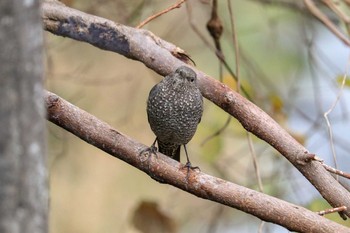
x=52 y=101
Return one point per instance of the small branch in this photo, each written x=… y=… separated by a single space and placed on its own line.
x=309 y=157
x=236 y=45
x=332 y=210
x=326 y=21
x=334 y=104
x=218 y=53
x=337 y=11
x=218 y=132
x=176 y=5
x=336 y=171
x=214 y=26
x=166 y=170
x=255 y=162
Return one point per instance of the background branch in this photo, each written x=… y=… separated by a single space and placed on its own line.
x=326 y=21
x=160 y=56
x=166 y=170
x=152 y=17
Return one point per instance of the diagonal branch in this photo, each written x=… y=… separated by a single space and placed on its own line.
x=161 y=56
x=166 y=170
x=326 y=21
x=176 y=5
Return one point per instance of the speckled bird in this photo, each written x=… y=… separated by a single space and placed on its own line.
x=174 y=109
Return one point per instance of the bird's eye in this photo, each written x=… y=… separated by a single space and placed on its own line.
x=192 y=80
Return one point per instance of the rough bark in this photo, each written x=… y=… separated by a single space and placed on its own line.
x=23 y=176
x=163 y=57
x=166 y=170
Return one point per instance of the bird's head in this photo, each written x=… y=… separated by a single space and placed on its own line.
x=184 y=77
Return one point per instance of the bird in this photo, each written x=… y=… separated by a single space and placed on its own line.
x=174 y=110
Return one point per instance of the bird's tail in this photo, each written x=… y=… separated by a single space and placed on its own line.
x=170 y=149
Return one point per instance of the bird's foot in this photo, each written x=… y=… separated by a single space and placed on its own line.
x=146 y=154
x=189 y=167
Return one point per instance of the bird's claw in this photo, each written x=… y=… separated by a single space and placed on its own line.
x=189 y=167
x=147 y=153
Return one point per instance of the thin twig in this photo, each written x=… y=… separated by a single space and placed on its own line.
x=212 y=48
x=332 y=210
x=214 y=26
x=330 y=131
x=255 y=162
x=250 y=142
x=176 y=5
x=261 y=227
x=236 y=45
x=217 y=133
x=336 y=171
x=336 y=10
x=196 y=30
x=326 y=21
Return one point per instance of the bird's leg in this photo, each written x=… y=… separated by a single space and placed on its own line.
x=153 y=149
x=188 y=164
x=150 y=150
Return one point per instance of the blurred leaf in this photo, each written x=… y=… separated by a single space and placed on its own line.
x=148 y=218
x=276 y=103
x=340 y=80
x=230 y=82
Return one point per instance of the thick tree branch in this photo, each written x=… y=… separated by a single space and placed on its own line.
x=166 y=170
x=162 y=57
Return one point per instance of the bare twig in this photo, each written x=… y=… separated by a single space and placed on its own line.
x=215 y=27
x=218 y=53
x=237 y=64
x=336 y=171
x=166 y=170
x=176 y=5
x=195 y=29
x=156 y=54
x=330 y=131
x=332 y=210
x=236 y=45
x=338 y=11
x=218 y=132
x=261 y=227
x=326 y=21
x=255 y=162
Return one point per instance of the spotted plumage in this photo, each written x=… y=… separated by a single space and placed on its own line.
x=174 y=109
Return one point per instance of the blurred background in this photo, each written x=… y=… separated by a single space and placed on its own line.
x=291 y=66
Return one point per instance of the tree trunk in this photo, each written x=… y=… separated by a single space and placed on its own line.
x=23 y=173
